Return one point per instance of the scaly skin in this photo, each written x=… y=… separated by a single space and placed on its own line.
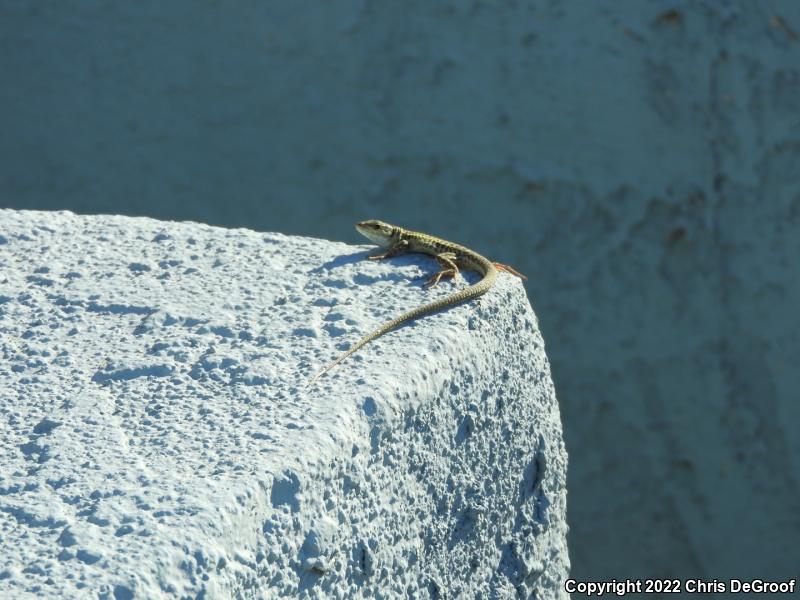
x=452 y=257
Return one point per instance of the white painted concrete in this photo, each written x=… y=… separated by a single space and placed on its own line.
x=158 y=441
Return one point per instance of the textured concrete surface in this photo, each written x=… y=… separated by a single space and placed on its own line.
x=638 y=161
x=157 y=438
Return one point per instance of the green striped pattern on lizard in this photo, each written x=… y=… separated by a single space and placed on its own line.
x=451 y=257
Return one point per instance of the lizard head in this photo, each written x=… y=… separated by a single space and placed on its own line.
x=379 y=232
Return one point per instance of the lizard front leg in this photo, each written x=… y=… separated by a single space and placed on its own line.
x=448 y=261
x=393 y=250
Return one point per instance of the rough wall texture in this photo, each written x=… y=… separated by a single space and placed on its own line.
x=638 y=162
x=159 y=439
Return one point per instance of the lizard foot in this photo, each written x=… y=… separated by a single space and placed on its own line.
x=507 y=269
x=434 y=279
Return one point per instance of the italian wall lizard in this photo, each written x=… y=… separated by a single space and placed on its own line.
x=451 y=257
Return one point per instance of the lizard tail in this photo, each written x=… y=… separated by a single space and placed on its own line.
x=469 y=293
x=359 y=344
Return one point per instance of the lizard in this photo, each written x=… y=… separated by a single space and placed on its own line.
x=451 y=257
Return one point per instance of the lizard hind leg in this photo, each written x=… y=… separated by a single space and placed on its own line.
x=508 y=269
x=448 y=261
x=434 y=279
